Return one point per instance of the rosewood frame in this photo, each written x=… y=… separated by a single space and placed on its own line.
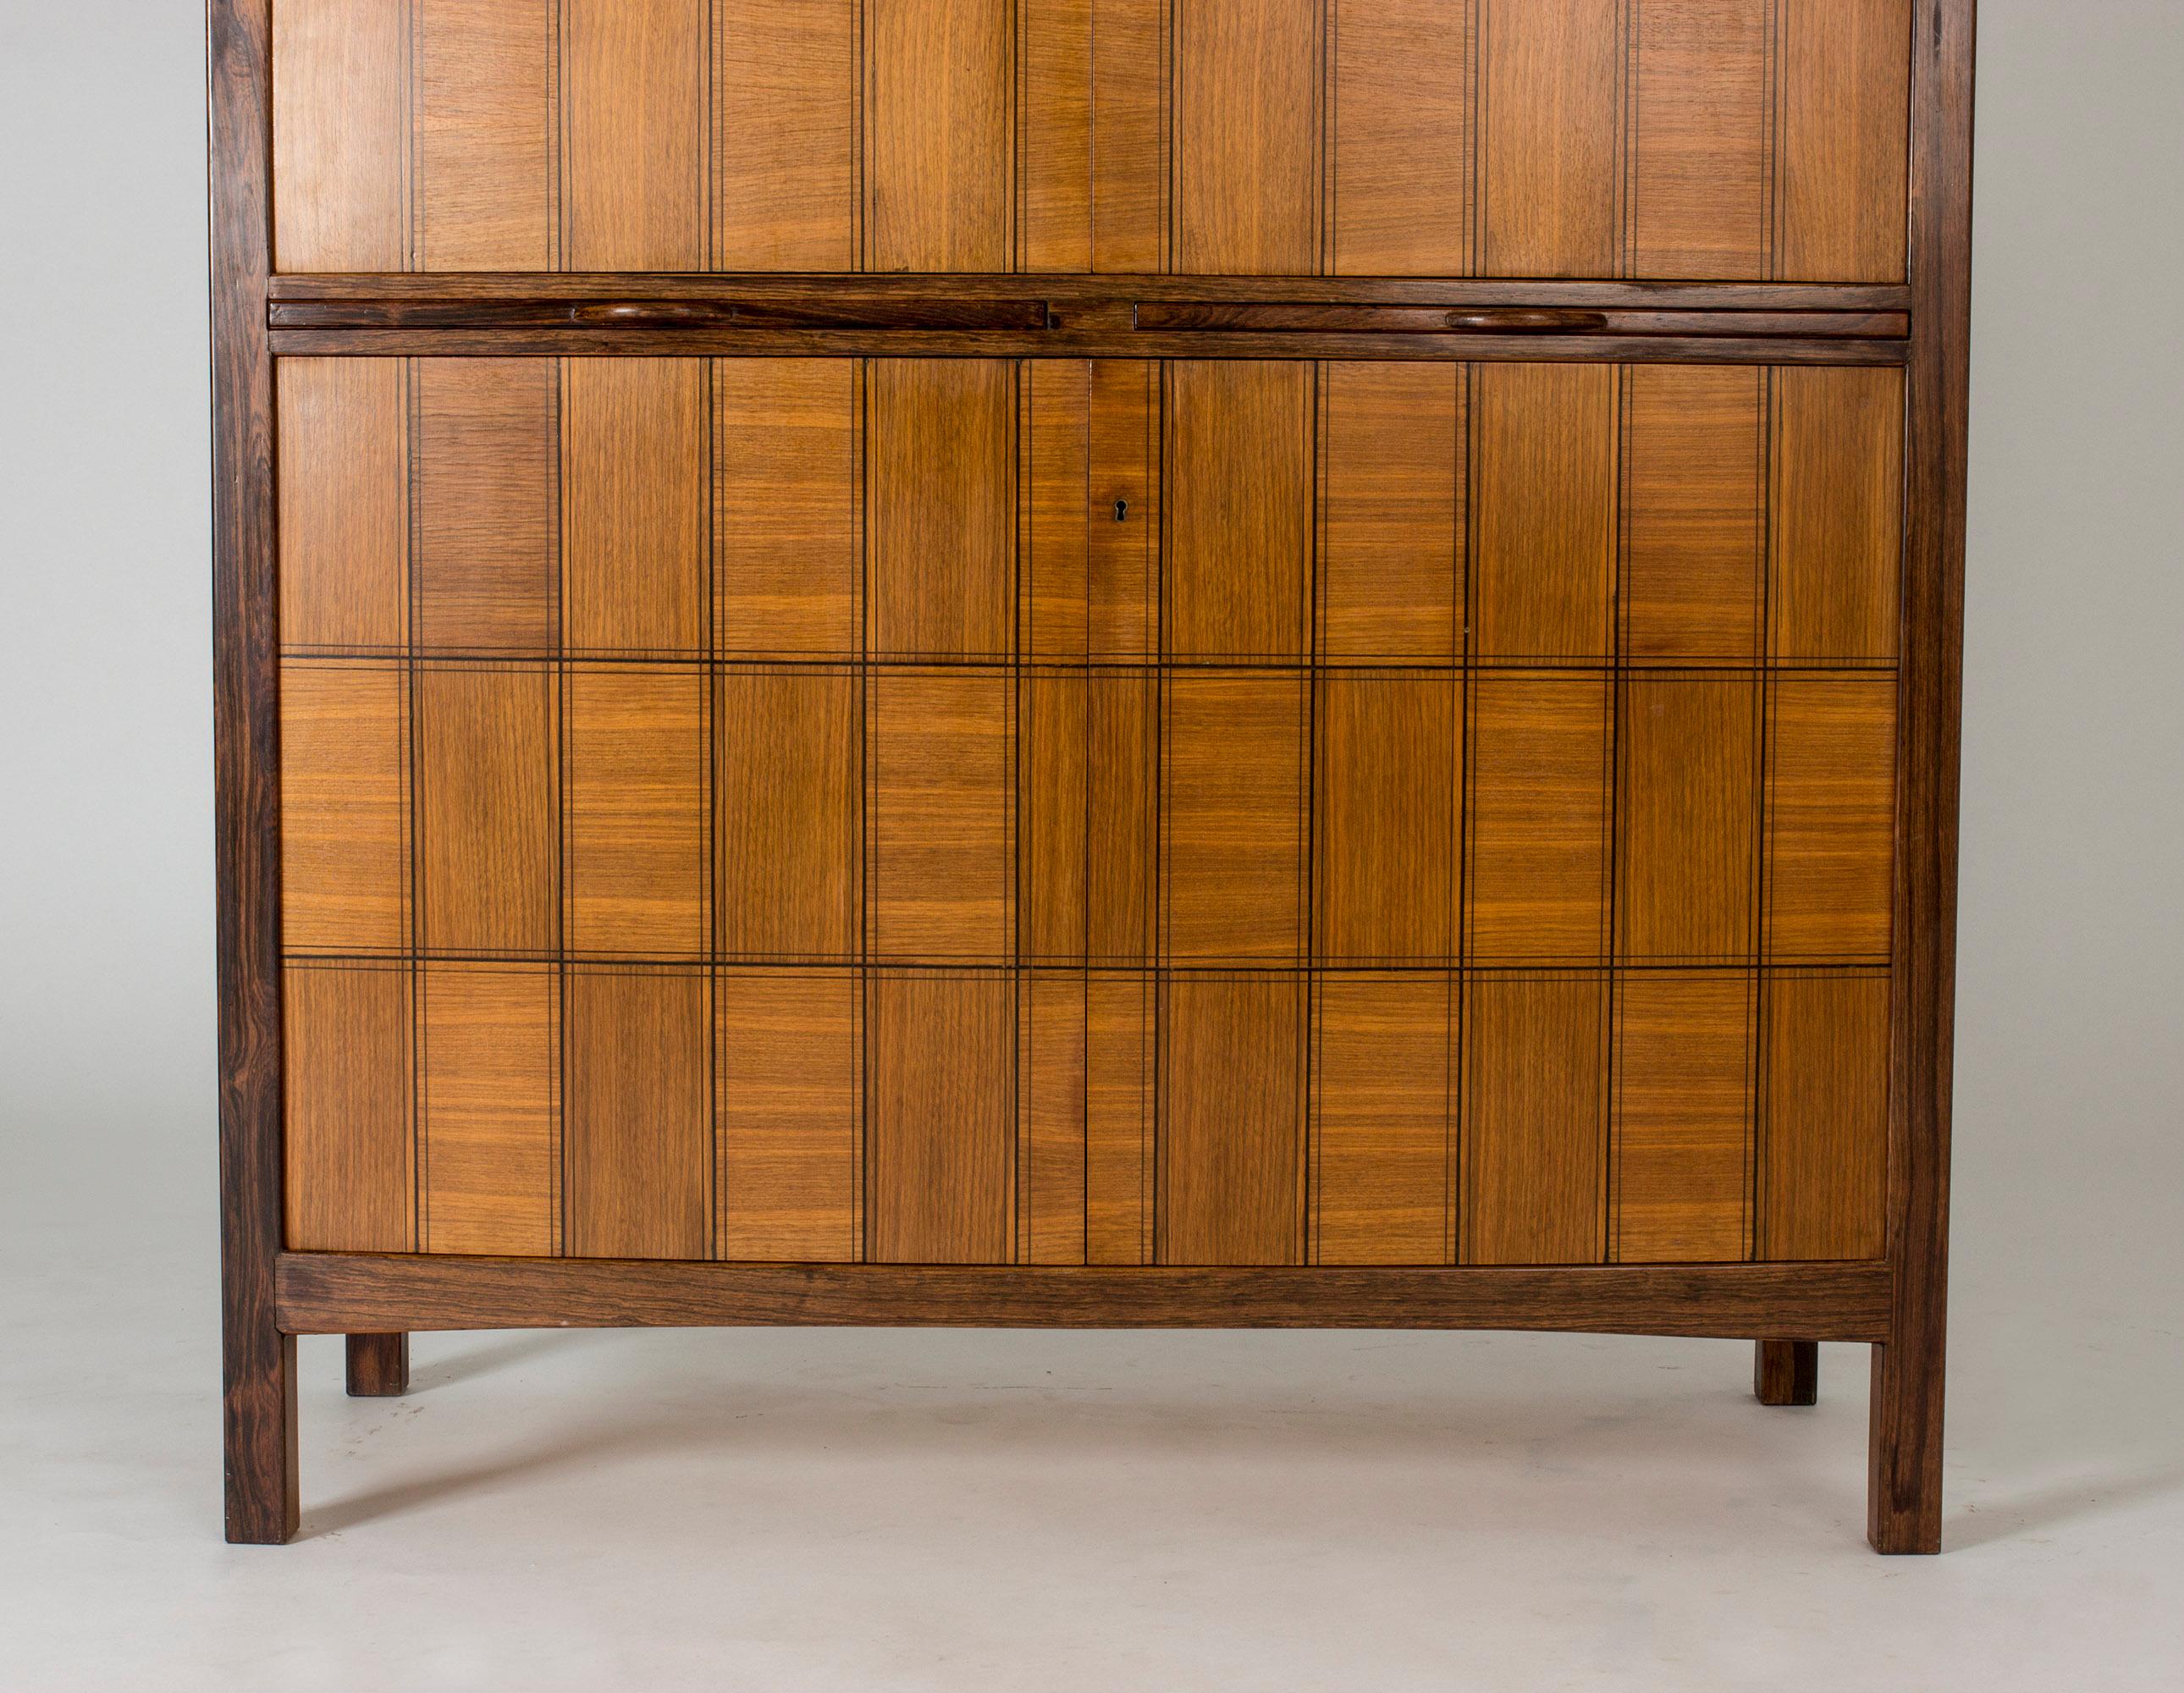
x=269 y=1296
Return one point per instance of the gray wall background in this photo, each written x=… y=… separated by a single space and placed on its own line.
x=2070 y=1056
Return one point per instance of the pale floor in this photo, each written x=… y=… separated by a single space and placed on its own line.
x=960 y=1511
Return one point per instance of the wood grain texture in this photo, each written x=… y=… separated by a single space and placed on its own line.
x=634 y=80
x=785 y=156
x=1053 y=1101
x=1232 y=1113
x=788 y=486
x=1785 y=1371
x=1845 y=100
x=1399 y=203
x=639 y=1114
x=1533 y=1183
x=1233 y=823
x=377 y=1365
x=633 y=506
x=1700 y=188
x=1058 y=469
x=1383 y=1113
x=1837 y=510
x=489 y=1114
x=1832 y=819
x=636 y=850
x=484 y=531
x=942 y=490
x=1683 y=1093
x=1055 y=73
x=1388 y=885
x=1122 y=783
x=257 y=1358
x=1053 y=746
x=327 y=1293
x=1550 y=168
x=942 y=1136
x=1536 y=818
x=942 y=817
x=345 y=502
x=939 y=148
x=791 y=1114
x=348 y=1176
x=1123 y=515
x=1390 y=565
x=486 y=782
x=1247 y=122
x=1687 y=805
x=341 y=135
x=1694 y=482
x=1120 y=1090
x=1130 y=153
x=1238 y=488
x=1542 y=491
x=790 y=876
x=1824 y=1133
x=344 y=807
x=484 y=120
x=1904 y=1445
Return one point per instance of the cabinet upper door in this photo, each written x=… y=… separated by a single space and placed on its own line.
x=1723 y=140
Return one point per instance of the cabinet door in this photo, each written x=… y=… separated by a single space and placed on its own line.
x=1725 y=140
x=1080 y=811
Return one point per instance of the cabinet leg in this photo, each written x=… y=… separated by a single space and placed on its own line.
x=258 y=1437
x=1904 y=1450
x=378 y=1366
x=1786 y=1372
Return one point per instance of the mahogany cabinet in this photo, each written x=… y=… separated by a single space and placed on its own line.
x=1089 y=662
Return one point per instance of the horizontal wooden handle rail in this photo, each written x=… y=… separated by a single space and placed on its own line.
x=1324 y=317
x=805 y=312
x=1318 y=317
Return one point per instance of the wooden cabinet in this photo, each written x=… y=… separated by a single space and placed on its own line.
x=1088 y=661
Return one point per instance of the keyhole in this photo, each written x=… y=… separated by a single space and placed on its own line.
x=1122 y=511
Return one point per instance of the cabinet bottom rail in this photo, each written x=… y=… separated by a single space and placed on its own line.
x=322 y=1293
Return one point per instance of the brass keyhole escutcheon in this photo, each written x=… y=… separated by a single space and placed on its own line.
x=1122 y=511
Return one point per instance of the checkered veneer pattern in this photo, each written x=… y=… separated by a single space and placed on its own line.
x=1065 y=811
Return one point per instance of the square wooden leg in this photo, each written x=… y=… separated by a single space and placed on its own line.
x=1903 y=1475
x=1786 y=1372
x=378 y=1366
x=259 y=1436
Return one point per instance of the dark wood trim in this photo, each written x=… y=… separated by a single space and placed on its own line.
x=378 y=1366
x=332 y=1293
x=1786 y=1372
x=855 y=310
x=352 y=287
x=1121 y=342
x=257 y=1360
x=1305 y=318
x=1903 y=1493
x=846 y=310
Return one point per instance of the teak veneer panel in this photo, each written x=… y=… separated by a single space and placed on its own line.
x=791 y=1115
x=634 y=484
x=351 y=1178
x=1390 y=565
x=344 y=807
x=1384 y=1050
x=490 y=1110
x=790 y=872
x=1683 y=1095
x=344 y=504
x=941 y=1087
x=636 y=852
x=1729 y=140
x=487 y=797
x=1232 y=1138
x=639 y=1113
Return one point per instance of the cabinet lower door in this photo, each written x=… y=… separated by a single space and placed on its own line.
x=1116 y=812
